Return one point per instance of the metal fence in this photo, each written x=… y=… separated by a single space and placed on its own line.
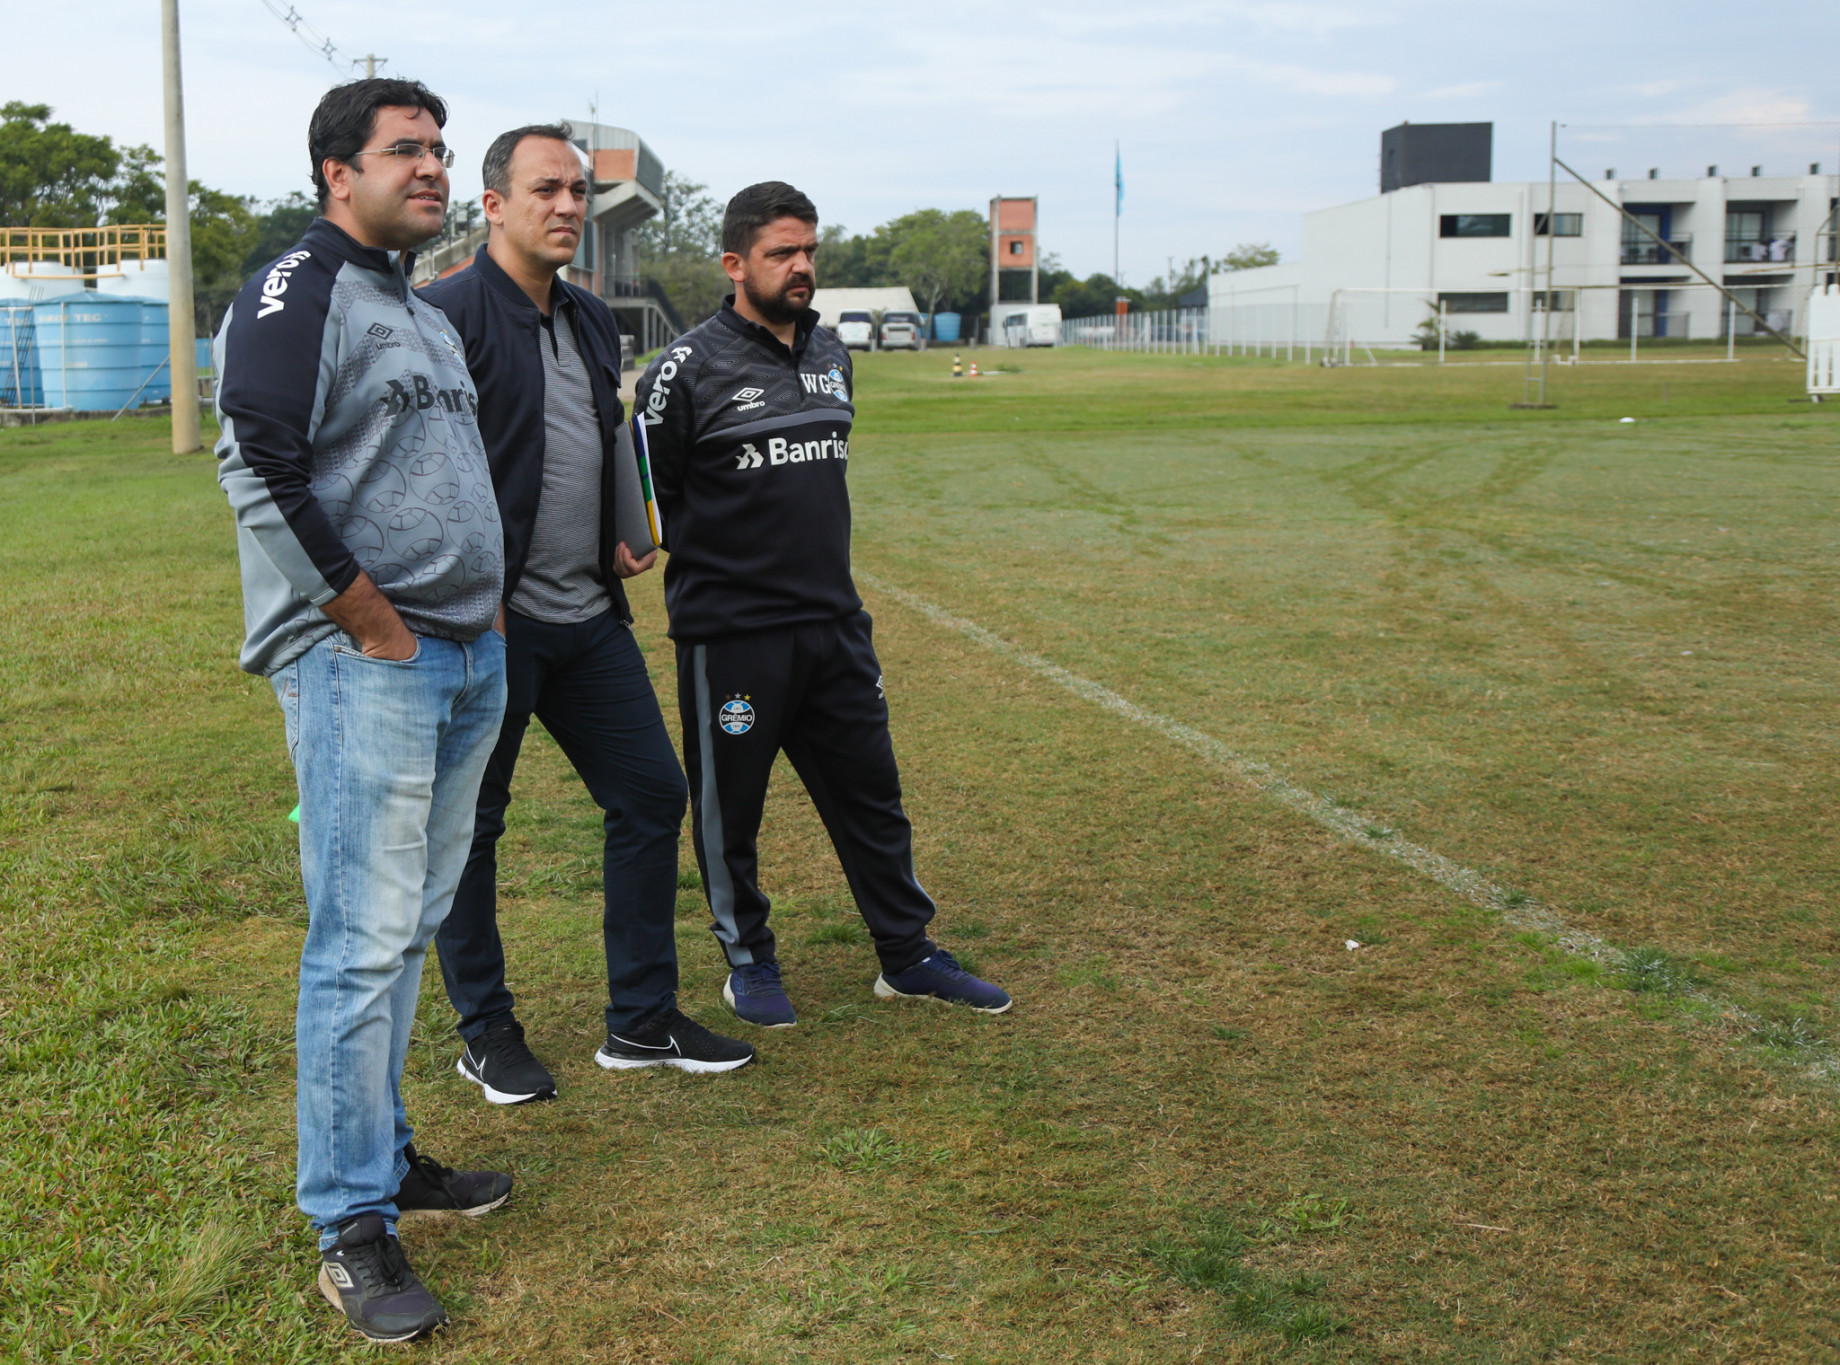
x=1181 y=331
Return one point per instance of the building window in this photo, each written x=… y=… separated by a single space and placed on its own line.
x=1564 y=300
x=1474 y=303
x=1015 y=248
x=1566 y=224
x=1474 y=225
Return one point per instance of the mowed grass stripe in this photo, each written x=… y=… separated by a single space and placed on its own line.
x=1516 y=908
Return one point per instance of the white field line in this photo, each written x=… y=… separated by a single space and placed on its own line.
x=1517 y=910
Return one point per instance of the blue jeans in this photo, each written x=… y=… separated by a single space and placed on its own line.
x=388 y=757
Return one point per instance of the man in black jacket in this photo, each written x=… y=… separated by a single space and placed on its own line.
x=747 y=419
x=545 y=356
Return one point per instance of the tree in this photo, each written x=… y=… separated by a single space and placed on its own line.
x=50 y=174
x=1095 y=296
x=939 y=255
x=1250 y=256
x=680 y=249
x=690 y=225
x=224 y=228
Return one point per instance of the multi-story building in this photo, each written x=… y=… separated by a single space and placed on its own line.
x=1442 y=235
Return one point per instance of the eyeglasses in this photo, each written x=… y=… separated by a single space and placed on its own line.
x=413 y=152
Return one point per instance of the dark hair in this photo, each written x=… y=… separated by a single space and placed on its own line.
x=347 y=115
x=496 y=169
x=756 y=206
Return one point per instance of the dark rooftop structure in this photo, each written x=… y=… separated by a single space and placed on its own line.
x=1435 y=154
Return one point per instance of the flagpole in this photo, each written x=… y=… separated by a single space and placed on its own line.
x=1117 y=209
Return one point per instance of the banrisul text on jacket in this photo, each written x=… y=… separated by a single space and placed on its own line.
x=351 y=442
x=749 y=441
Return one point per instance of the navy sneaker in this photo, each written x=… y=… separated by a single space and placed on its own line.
x=756 y=996
x=940 y=978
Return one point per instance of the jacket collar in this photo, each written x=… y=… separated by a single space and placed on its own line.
x=807 y=323
x=507 y=288
x=329 y=237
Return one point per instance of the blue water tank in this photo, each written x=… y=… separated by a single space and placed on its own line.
x=945 y=327
x=20 y=384
x=93 y=351
x=155 y=343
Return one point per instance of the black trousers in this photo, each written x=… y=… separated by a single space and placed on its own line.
x=587 y=683
x=816 y=692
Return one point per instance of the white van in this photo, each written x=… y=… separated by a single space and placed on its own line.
x=900 y=331
x=1029 y=324
x=856 y=330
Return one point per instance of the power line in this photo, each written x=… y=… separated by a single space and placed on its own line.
x=318 y=43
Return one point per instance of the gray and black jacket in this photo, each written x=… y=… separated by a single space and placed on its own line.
x=749 y=441
x=351 y=441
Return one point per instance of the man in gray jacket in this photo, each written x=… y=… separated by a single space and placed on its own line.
x=372 y=565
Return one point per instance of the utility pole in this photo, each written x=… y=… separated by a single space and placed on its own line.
x=180 y=329
x=370 y=60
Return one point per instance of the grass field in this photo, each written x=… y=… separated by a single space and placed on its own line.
x=1593 y=661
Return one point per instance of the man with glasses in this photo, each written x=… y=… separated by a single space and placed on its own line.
x=373 y=569
x=546 y=357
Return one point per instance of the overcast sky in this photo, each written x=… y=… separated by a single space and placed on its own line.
x=1235 y=116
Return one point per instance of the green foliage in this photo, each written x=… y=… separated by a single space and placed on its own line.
x=1092 y=297
x=940 y=256
x=690 y=225
x=1212 y=1258
x=1250 y=256
x=861 y=1149
x=1649 y=971
x=138 y=193
x=681 y=249
x=224 y=226
x=53 y=176
x=50 y=174
x=1426 y=335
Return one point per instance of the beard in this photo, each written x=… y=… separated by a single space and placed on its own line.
x=779 y=307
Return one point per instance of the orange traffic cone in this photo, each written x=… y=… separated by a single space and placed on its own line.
x=974 y=369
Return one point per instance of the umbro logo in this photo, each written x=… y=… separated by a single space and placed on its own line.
x=378 y=330
x=338 y=1274
x=748 y=395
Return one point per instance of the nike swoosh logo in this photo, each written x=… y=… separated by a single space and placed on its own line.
x=668 y=1046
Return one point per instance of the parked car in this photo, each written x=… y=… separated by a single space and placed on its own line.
x=856 y=331
x=901 y=332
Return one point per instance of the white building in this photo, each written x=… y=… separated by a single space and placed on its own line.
x=1373 y=271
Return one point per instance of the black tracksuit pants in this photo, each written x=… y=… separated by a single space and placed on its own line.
x=815 y=691
x=588 y=684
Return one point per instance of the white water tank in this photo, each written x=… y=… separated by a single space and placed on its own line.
x=30 y=281
x=138 y=279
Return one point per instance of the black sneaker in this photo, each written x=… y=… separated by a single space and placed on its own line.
x=499 y=1064
x=430 y=1187
x=366 y=1276
x=673 y=1039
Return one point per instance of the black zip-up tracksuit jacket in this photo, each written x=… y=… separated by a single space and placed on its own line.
x=749 y=442
x=500 y=326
